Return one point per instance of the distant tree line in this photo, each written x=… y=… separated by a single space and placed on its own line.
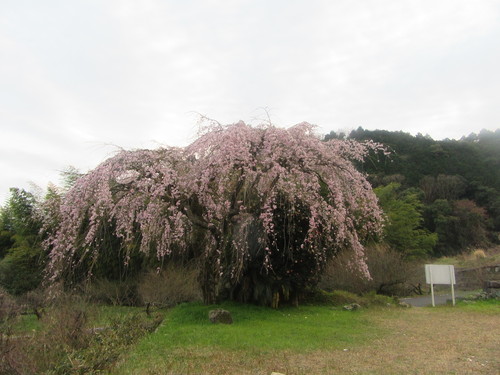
x=448 y=191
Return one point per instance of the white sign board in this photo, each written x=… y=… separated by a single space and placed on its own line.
x=440 y=274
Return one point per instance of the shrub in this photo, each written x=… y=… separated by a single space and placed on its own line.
x=113 y=292
x=318 y=296
x=8 y=306
x=34 y=301
x=391 y=274
x=479 y=254
x=104 y=346
x=335 y=298
x=67 y=321
x=66 y=344
x=12 y=358
x=21 y=269
x=173 y=285
x=374 y=299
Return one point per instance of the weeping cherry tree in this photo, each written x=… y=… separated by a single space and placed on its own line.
x=261 y=209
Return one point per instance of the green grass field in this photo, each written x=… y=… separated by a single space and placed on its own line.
x=255 y=331
x=302 y=328
x=312 y=339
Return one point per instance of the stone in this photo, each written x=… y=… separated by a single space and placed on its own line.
x=404 y=304
x=220 y=316
x=491 y=284
x=352 y=307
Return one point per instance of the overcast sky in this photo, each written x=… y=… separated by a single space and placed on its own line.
x=80 y=78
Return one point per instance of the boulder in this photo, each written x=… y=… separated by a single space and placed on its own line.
x=220 y=316
x=352 y=307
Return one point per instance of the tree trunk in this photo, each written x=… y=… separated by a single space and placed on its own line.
x=208 y=283
x=276 y=300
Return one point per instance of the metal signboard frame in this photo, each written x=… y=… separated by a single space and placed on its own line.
x=440 y=274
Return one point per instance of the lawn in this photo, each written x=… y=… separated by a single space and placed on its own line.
x=322 y=340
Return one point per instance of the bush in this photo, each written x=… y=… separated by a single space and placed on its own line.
x=113 y=292
x=66 y=344
x=14 y=359
x=374 y=299
x=34 y=301
x=8 y=306
x=103 y=347
x=479 y=254
x=391 y=274
x=341 y=297
x=21 y=269
x=67 y=321
x=173 y=285
x=335 y=298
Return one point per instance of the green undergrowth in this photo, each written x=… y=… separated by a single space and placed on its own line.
x=26 y=323
x=72 y=338
x=105 y=314
x=255 y=330
x=100 y=316
x=483 y=306
x=340 y=298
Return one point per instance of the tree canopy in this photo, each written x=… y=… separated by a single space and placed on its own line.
x=260 y=208
x=21 y=256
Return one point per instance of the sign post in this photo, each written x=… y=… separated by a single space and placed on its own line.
x=440 y=274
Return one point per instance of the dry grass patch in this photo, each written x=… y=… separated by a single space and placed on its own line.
x=427 y=341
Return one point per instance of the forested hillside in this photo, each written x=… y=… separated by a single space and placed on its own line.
x=454 y=185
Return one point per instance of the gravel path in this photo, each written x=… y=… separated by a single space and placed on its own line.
x=440 y=299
